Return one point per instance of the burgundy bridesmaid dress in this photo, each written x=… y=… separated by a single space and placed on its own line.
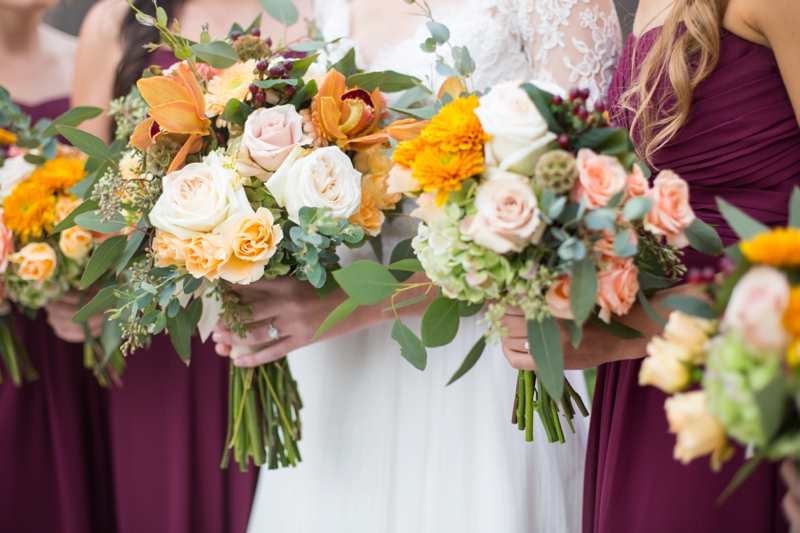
x=168 y=426
x=742 y=143
x=55 y=474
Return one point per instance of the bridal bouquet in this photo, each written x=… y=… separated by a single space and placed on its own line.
x=38 y=179
x=730 y=361
x=250 y=160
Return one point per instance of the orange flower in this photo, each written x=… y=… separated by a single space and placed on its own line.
x=59 y=174
x=779 y=248
x=7 y=137
x=791 y=318
x=456 y=127
x=443 y=172
x=29 y=211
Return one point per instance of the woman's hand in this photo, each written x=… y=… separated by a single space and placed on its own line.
x=791 y=502
x=59 y=316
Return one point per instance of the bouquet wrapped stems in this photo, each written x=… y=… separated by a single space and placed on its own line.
x=13 y=353
x=530 y=399
x=264 y=418
x=106 y=368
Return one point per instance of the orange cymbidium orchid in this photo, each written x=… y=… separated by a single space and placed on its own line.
x=177 y=106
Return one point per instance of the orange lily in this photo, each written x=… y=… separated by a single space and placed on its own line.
x=452 y=86
x=7 y=137
x=400 y=130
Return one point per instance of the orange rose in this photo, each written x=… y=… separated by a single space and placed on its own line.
x=369 y=217
x=37 y=261
x=204 y=255
x=671 y=213
x=169 y=249
x=75 y=243
x=618 y=285
x=637 y=183
x=557 y=299
x=600 y=178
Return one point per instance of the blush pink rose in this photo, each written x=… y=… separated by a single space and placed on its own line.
x=637 y=184
x=270 y=135
x=600 y=177
x=557 y=299
x=671 y=213
x=618 y=285
x=6 y=244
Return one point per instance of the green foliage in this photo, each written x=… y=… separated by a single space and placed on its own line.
x=470 y=360
x=342 y=311
x=284 y=11
x=366 y=282
x=411 y=347
x=73 y=117
x=105 y=254
x=744 y=226
x=703 y=238
x=544 y=338
x=218 y=54
x=583 y=289
x=690 y=306
x=440 y=322
x=85 y=142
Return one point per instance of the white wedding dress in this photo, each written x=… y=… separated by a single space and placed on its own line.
x=389 y=449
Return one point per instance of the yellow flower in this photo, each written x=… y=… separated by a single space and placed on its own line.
x=29 y=211
x=791 y=319
x=779 y=248
x=443 y=172
x=231 y=83
x=456 y=127
x=7 y=137
x=407 y=151
x=59 y=174
x=793 y=353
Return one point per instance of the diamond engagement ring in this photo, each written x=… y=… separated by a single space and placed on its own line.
x=527 y=346
x=273 y=332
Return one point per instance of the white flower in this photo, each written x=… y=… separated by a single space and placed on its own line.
x=198 y=198
x=519 y=133
x=269 y=136
x=14 y=171
x=322 y=178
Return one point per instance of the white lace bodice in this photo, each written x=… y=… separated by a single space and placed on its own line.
x=566 y=43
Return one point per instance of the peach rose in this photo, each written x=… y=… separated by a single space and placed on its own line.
x=756 y=309
x=637 y=184
x=605 y=246
x=169 y=250
x=76 y=243
x=671 y=213
x=372 y=161
x=204 y=255
x=600 y=177
x=269 y=136
x=369 y=217
x=401 y=180
x=426 y=209
x=37 y=261
x=690 y=332
x=6 y=244
x=65 y=205
x=508 y=214
x=698 y=431
x=557 y=299
x=665 y=366
x=250 y=240
x=618 y=285
x=376 y=186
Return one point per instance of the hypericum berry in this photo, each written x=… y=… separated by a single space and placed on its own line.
x=261 y=97
x=288 y=65
x=276 y=71
x=708 y=273
x=290 y=90
x=726 y=265
x=694 y=276
x=220 y=138
x=261 y=66
x=574 y=93
x=585 y=93
x=557 y=100
x=599 y=106
x=268 y=42
x=235 y=34
x=563 y=140
x=255 y=32
x=253 y=88
x=285 y=76
x=582 y=113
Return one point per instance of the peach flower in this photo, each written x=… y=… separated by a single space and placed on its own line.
x=204 y=255
x=6 y=244
x=76 y=243
x=618 y=285
x=689 y=332
x=65 y=205
x=37 y=261
x=698 y=431
x=369 y=217
x=665 y=366
x=401 y=180
x=250 y=240
x=376 y=185
x=557 y=299
x=169 y=249
x=671 y=213
x=600 y=177
x=637 y=184
x=426 y=209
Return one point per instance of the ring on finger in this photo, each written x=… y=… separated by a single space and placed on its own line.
x=527 y=346
x=273 y=332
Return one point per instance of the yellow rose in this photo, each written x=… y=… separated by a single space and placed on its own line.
x=65 y=205
x=698 y=431
x=690 y=332
x=75 y=243
x=169 y=249
x=665 y=367
x=250 y=240
x=37 y=261
x=204 y=255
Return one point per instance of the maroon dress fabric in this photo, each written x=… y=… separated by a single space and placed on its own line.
x=54 y=459
x=168 y=427
x=742 y=143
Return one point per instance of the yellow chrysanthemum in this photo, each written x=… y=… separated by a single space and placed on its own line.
x=779 y=248
x=59 y=174
x=443 y=172
x=29 y=211
x=407 y=151
x=233 y=82
x=456 y=127
x=7 y=137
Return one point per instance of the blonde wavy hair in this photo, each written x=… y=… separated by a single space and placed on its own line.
x=685 y=58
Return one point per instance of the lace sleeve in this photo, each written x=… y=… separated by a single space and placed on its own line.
x=572 y=43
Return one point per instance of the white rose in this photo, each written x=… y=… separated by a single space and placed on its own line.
x=269 y=136
x=519 y=132
x=198 y=198
x=322 y=178
x=12 y=173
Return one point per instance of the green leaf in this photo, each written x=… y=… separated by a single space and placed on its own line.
x=575 y=332
x=110 y=336
x=161 y=16
x=544 y=339
x=655 y=317
x=73 y=117
x=34 y=159
x=342 y=311
x=439 y=31
x=406 y=303
x=301 y=66
x=594 y=138
x=347 y=65
x=269 y=84
x=690 y=306
x=180 y=333
x=103 y=256
x=218 y=54
x=770 y=401
x=283 y=11
x=408 y=265
x=703 y=238
x=794 y=208
x=649 y=281
x=744 y=226
x=368 y=81
x=195 y=311
x=366 y=282
x=620 y=331
x=307 y=46
x=583 y=289
x=425 y=113
x=543 y=101
x=253 y=25
x=394 y=82
x=440 y=322
x=236 y=112
x=93 y=220
x=402 y=251
x=85 y=142
x=411 y=347
x=467 y=309
x=470 y=360
x=742 y=474
x=105 y=299
x=637 y=208
x=618 y=143
x=191 y=284
x=132 y=246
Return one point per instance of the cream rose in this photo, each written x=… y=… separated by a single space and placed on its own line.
x=198 y=198
x=204 y=255
x=557 y=298
x=269 y=136
x=600 y=178
x=519 y=133
x=401 y=180
x=251 y=241
x=323 y=178
x=756 y=309
x=508 y=214
x=37 y=261
x=698 y=431
x=169 y=250
x=76 y=243
x=665 y=366
x=690 y=332
x=671 y=213
x=426 y=209
x=618 y=285
x=14 y=171
x=65 y=205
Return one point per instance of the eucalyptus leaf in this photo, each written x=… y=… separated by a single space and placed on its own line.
x=369 y=81
x=690 y=306
x=794 y=208
x=105 y=299
x=744 y=226
x=402 y=251
x=85 y=142
x=93 y=221
x=543 y=101
x=544 y=338
x=654 y=316
x=307 y=46
x=439 y=31
x=73 y=117
x=101 y=259
x=218 y=54
x=180 y=333
x=469 y=361
x=342 y=311
x=347 y=65
x=409 y=265
x=468 y=309
x=132 y=246
x=366 y=282
x=770 y=401
x=649 y=281
x=583 y=287
x=425 y=113
x=394 y=82
x=636 y=208
x=284 y=11
x=620 y=331
x=703 y=238
x=575 y=332
x=411 y=347
x=440 y=322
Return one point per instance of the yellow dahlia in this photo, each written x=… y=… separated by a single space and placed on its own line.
x=231 y=83
x=443 y=172
x=59 y=174
x=29 y=211
x=456 y=127
x=779 y=248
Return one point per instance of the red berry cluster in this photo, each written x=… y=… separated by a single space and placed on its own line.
x=573 y=114
x=279 y=71
x=255 y=32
